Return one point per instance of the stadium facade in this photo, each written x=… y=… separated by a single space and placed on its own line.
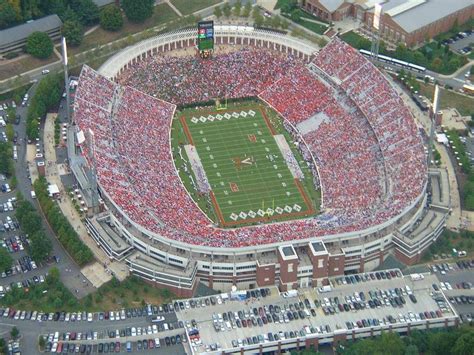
x=180 y=266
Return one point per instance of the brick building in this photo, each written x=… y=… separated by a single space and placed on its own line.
x=407 y=21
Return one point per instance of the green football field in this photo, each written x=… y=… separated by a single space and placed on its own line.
x=249 y=178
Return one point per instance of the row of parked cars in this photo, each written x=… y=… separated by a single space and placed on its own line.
x=15 y=243
x=377 y=298
x=110 y=347
x=218 y=299
x=461 y=299
x=81 y=316
x=21 y=265
x=281 y=335
x=368 y=276
x=259 y=316
x=27 y=283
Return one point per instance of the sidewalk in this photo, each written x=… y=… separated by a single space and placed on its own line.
x=96 y=272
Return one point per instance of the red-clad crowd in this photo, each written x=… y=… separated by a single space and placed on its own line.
x=187 y=79
x=369 y=155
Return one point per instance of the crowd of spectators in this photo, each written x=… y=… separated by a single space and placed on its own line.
x=368 y=153
x=186 y=79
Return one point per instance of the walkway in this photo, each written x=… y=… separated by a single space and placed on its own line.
x=96 y=272
x=459 y=71
x=454 y=219
x=174 y=8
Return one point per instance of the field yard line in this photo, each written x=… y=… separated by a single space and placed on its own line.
x=216 y=206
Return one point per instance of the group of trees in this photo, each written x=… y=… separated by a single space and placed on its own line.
x=47 y=96
x=6 y=261
x=6 y=161
x=246 y=10
x=40 y=245
x=434 y=56
x=57 y=297
x=452 y=341
x=62 y=228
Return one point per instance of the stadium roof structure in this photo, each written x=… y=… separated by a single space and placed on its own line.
x=331 y=5
x=101 y=3
x=21 y=32
x=412 y=15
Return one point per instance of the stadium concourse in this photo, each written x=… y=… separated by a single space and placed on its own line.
x=368 y=150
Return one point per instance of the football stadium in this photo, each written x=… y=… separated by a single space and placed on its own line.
x=261 y=160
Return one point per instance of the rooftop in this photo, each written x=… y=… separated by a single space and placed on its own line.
x=20 y=32
x=412 y=15
x=337 y=322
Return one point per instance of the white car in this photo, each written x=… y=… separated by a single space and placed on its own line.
x=90 y=317
x=45 y=71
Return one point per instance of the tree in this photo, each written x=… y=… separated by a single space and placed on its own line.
x=411 y=350
x=237 y=8
x=39 y=45
x=6 y=163
x=111 y=18
x=247 y=9
x=226 y=10
x=295 y=16
x=7 y=14
x=87 y=12
x=218 y=12
x=276 y=21
x=289 y=6
x=72 y=31
x=138 y=10
x=41 y=342
x=14 y=332
x=436 y=64
x=464 y=344
x=6 y=260
x=53 y=276
x=258 y=20
x=40 y=246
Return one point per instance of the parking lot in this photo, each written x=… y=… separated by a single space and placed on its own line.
x=456 y=279
x=352 y=303
x=141 y=329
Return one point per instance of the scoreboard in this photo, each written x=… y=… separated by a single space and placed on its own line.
x=205 y=35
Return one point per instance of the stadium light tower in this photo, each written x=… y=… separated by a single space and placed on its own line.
x=374 y=49
x=433 y=119
x=66 y=79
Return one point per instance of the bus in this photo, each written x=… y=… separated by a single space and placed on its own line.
x=397 y=62
x=468 y=89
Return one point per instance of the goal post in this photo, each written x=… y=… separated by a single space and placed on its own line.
x=221 y=105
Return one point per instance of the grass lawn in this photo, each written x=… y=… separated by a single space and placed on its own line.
x=187 y=7
x=312 y=26
x=464 y=104
x=281 y=3
x=162 y=13
x=352 y=38
x=22 y=65
x=249 y=178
